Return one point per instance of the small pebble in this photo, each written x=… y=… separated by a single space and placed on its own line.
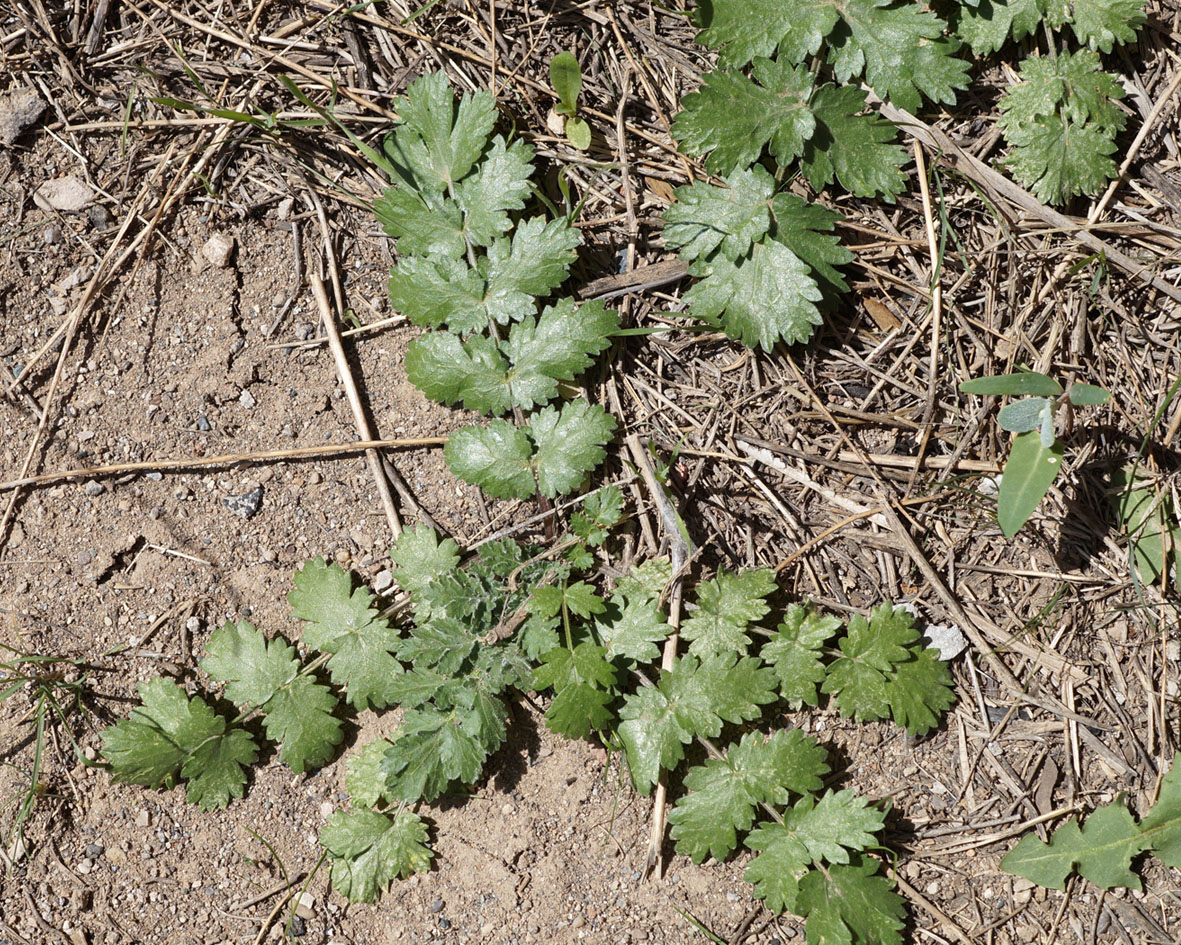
x=95 y=850
x=203 y=423
x=155 y=476
x=52 y=234
x=299 y=928
x=84 y=867
x=193 y=624
x=437 y=906
x=305 y=906
x=245 y=505
x=218 y=249
x=304 y=330
x=315 y=479
x=93 y=487
x=143 y=819
x=246 y=399
x=383 y=581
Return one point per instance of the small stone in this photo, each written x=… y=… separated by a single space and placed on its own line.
x=1173 y=650
x=68 y=194
x=94 y=487
x=299 y=927
x=203 y=423
x=245 y=505
x=383 y=581
x=193 y=624
x=85 y=866
x=218 y=249
x=18 y=110
x=437 y=906
x=51 y=234
x=143 y=819
x=17 y=536
x=155 y=476
x=578 y=922
x=444 y=923
x=305 y=906
x=948 y=639
x=267 y=555
x=246 y=399
x=83 y=558
x=314 y=479
x=304 y=330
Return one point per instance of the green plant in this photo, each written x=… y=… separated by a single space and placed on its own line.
x=54 y=686
x=566 y=78
x=515 y=618
x=474 y=271
x=1148 y=516
x=1035 y=457
x=1102 y=848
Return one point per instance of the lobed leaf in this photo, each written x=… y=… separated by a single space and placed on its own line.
x=796 y=653
x=369 y=850
x=858 y=150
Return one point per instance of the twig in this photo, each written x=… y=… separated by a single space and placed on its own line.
x=354 y=398
x=224 y=459
x=679 y=552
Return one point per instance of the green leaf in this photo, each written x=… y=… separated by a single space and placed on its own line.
x=860 y=151
x=1161 y=826
x=647 y=580
x=170 y=735
x=920 y=692
x=263 y=674
x=1098 y=23
x=806 y=229
x=436 y=290
x=988 y=25
x=558 y=346
x=1027 y=382
x=581 y=679
x=437 y=142
x=1102 y=850
x=902 y=52
x=1021 y=416
x=1088 y=395
x=421 y=228
x=706 y=218
x=1029 y=472
x=851 y=904
x=434 y=748
x=869 y=651
x=578 y=133
x=693 y=698
x=496 y=458
x=450 y=371
x=730 y=118
x=566 y=78
x=750 y=28
x=442 y=644
x=570 y=443
x=343 y=622
x=767 y=296
x=500 y=184
x=1146 y=514
x=723 y=793
x=796 y=653
x=726 y=606
x=421 y=559
x=363 y=775
x=535 y=262
x=1060 y=121
x=369 y=850
x=634 y=628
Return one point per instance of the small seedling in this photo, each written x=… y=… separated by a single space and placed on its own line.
x=566 y=78
x=1036 y=455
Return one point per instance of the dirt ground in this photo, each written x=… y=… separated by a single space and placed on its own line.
x=127 y=322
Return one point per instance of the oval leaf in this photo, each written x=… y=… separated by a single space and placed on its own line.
x=1086 y=395
x=567 y=81
x=1021 y=416
x=578 y=133
x=1027 y=382
x=1030 y=470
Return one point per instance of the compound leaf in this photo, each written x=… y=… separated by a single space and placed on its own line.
x=438 y=289
x=500 y=184
x=796 y=653
x=723 y=793
x=421 y=559
x=768 y=295
x=299 y=717
x=451 y=371
x=730 y=118
x=858 y=150
x=750 y=28
x=869 y=650
x=850 y=903
x=342 y=622
x=434 y=748
x=919 y=692
x=495 y=458
x=368 y=850
x=536 y=261
x=570 y=443
x=806 y=229
x=633 y=628
x=170 y=735
x=989 y=24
